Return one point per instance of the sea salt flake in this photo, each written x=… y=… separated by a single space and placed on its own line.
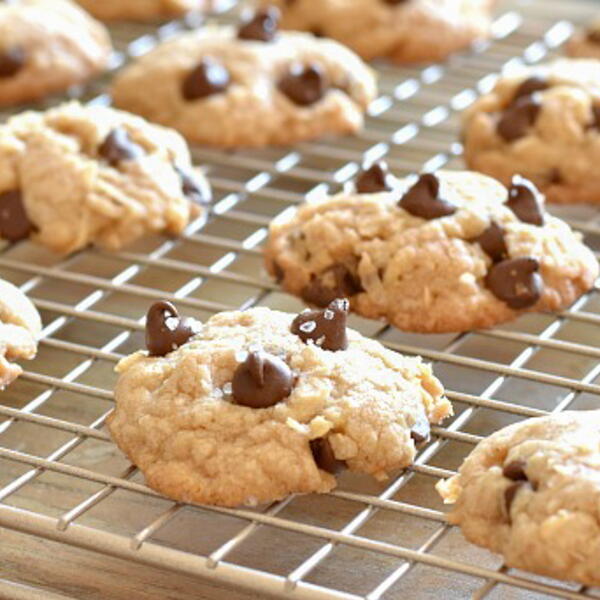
x=308 y=326
x=227 y=389
x=171 y=323
x=328 y=314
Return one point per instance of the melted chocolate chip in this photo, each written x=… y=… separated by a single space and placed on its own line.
x=335 y=282
x=421 y=430
x=593 y=36
x=516 y=281
x=510 y=492
x=518 y=118
x=553 y=176
x=194 y=189
x=525 y=201
x=374 y=179
x=303 y=84
x=14 y=222
x=262 y=27
x=118 y=146
x=12 y=60
x=422 y=199
x=515 y=470
x=262 y=380
x=207 y=78
x=324 y=457
x=530 y=86
x=165 y=330
x=595 y=124
x=326 y=328
x=492 y=242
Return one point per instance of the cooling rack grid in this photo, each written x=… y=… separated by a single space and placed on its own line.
x=62 y=479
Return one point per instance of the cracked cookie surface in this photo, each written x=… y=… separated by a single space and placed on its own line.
x=531 y=492
x=225 y=88
x=48 y=46
x=455 y=258
x=542 y=122
x=405 y=32
x=20 y=327
x=77 y=175
x=199 y=427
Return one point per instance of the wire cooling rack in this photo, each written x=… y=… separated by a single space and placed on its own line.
x=62 y=479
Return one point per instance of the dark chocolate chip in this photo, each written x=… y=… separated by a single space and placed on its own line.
x=518 y=118
x=374 y=179
x=12 y=60
x=515 y=470
x=324 y=457
x=421 y=430
x=525 y=201
x=165 y=330
x=14 y=222
x=554 y=177
x=326 y=328
x=530 y=86
x=118 y=146
x=422 y=199
x=593 y=36
x=303 y=84
x=516 y=281
x=193 y=188
x=207 y=78
x=492 y=242
x=595 y=124
x=337 y=281
x=262 y=380
x=262 y=27
x=317 y=32
x=510 y=492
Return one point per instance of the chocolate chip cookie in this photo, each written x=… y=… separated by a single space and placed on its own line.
x=252 y=406
x=405 y=31
x=78 y=175
x=541 y=122
x=450 y=251
x=585 y=43
x=47 y=46
x=249 y=85
x=531 y=492
x=20 y=328
x=142 y=10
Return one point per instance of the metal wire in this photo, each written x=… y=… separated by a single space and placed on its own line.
x=52 y=418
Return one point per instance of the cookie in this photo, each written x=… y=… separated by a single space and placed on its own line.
x=142 y=10
x=78 y=175
x=542 y=122
x=20 y=328
x=444 y=252
x=531 y=492
x=406 y=31
x=586 y=42
x=47 y=46
x=252 y=406
x=248 y=86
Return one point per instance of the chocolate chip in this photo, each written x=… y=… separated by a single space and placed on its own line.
x=193 y=188
x=525 y=201
x=518 y=118
x=337 y=281
x=12 y=60
x=207 y=78
x=595 y=124
x=509 y=494
x=303 y=84
x=317 y=32
x=118 y=146
x=421 y=430
x=515 y=470
x=374 y=179
x=492 y=242
x=530 y=86
x=324 y=457
x=262 y=380
x=326 y=328
x=394 y=2
x=593 y=36
x=14 y=222
x=278 y=272
x=554 y=177
x=262 y=27
x=516 y=281
x=165 y=330
x=422 y=199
